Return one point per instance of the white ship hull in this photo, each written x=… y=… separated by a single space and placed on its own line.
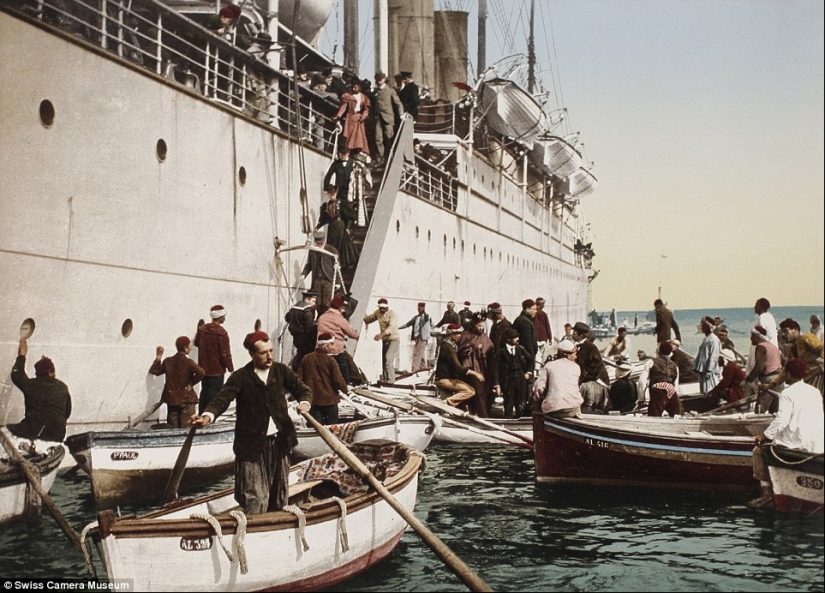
x=111 y=250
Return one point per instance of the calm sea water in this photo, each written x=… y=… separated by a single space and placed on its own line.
x=484 y=503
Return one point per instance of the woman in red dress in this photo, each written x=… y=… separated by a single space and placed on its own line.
x=357 y=107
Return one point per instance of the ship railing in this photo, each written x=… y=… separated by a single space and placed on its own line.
x=428 y=181
x=152 y=36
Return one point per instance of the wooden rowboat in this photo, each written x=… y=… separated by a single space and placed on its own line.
x=133 y=465
x=711 y=452
x=318 y=541
x=797 y=478
x=18 y=500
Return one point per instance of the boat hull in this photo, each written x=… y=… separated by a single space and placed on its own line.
x=15 y=495
x=136 y=465
x=702 y=454
x=169 y=551
x=797 y=479
x=415 y=431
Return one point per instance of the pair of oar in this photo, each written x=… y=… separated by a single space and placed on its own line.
x=441 y=406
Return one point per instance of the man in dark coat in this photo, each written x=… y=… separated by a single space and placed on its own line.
x=260 y=389
x=47 y=401
x=341 y=171
x=665 y=323
x=182 y=374
x=450 y=316
x=214 y=355
x=320 y=372
x=387 y=109
x=523 y=324
x=514 y=370
x=409 y=94
x=302 y=326
x=321 y=262
x=594 y=378
x=500 y=325
x=544 y=335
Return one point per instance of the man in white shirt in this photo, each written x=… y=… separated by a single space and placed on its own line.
x=557 y=387
x=766 y=319
x=799 y=424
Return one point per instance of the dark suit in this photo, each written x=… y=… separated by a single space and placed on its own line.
x=523 y=324
x=342 y=171
x=48 y=405
x=510 y=370
x=409 y=98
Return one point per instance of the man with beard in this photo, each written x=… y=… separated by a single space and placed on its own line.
x=475 y=351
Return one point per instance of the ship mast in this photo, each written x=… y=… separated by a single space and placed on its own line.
x=531 y=50
x=351 y=58
x=482 y=36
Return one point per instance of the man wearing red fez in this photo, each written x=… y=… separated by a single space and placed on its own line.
x=420 y=335
x=321 y=373
x=182 y=374
x=450 y=373
x=214 y=355
x=798 y=425
x=260 y=390
x=806 y=347
x=48 y=404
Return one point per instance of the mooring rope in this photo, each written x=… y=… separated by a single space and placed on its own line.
x=302 y=523
x=343 y=532
x=213 y=523
x=87 y=553
x=240 y=518
x=800 y=462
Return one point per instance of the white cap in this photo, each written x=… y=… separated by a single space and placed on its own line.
x=567 y=345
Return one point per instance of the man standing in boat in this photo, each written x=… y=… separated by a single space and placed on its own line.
x=500 y=325
x=334 y=322
x=706 y=363
x=214 y=355
x=594 y=377
x=321 y=373
x=523 y=324
x=805 y=347
x=544 y=335
x=449 y=372
x=182 y=374
x=660 y=377
x=798 y=425
x=388 y=336
x=261 y=447
x=619 y=346
x=767 y=363
x=557 y=388
x=666 y=326
x=513 y=371
x=48 y=404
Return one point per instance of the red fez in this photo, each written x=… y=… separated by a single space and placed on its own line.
x=325 y=338
x=466 y=303
x=422 y=304
x=789 y=324
x=454 y=328
x=43 y=367
x=665 y=348
x=494 y=308
x=337 y=302
x=382 y=302
x=181 y=343
x=258 y=336
x=539 y=300
x=527 y=303
x=230 y=11
x=796 y=367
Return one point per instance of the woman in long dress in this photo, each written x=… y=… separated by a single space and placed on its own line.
x=356 y=105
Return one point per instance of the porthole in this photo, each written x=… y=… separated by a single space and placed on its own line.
x=257 y=325
x=397 y=226
x=416 y=232
x=161 y=150
x=453 y=242
x=27 y=328
x=462 y=246
x=242 y=175
x=429 y=235
x=474 y=248
x=126 y=328
x=46 y=112
x=445 y=240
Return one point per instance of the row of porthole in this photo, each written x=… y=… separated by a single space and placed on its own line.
x=492 y=256
x=28 y=326
x=47 y=114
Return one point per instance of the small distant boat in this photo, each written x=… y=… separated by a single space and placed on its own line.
x=337 y=527
x=797 y=478
x=136 y=464
x=17 y=498
x=712 y=452
x=414 y=431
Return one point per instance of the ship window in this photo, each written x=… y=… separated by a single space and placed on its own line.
x=161 y=150
x=46 y=112
x=257 y=325
x=445 y=240
x=397 y=226
x=453 y=242
x=474 y=248
x=429 y=235
x=27 y=328
x=462 y=245
x=416 y=232
x=126 y=328
x=482 y=180
x=485 y=253
x=242 y=175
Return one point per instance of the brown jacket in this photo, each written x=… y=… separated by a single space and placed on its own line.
x=182 y=374
x=214 y=355
x=320 y=372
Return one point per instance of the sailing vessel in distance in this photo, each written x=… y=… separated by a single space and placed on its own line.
x=156 y=166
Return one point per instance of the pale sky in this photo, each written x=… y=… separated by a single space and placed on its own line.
x=704 y=119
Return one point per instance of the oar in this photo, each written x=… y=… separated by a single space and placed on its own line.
x=38 y=487
x=411 y=408
x=732 y=405
x=171 y=492
x=358 y=407
x=453 y=562
x=447 y=409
